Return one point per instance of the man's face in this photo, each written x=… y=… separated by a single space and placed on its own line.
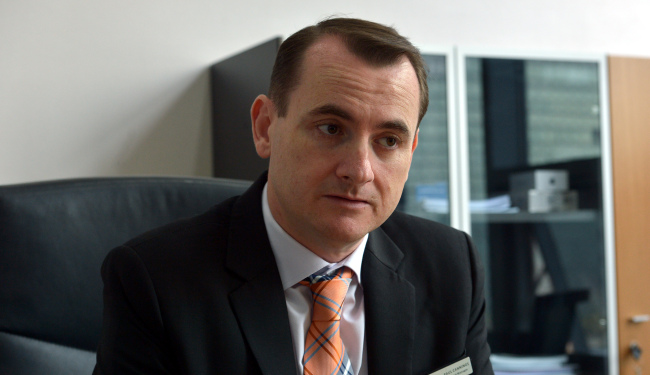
x=341 y=155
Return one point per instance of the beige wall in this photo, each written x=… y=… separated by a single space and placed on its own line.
x=103 y=88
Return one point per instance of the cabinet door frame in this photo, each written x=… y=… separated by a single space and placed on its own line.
x=453 y=157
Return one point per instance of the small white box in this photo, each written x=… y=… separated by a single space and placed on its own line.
x=541 y=201
x=540 y=179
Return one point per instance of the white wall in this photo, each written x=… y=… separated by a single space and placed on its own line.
x=120 y=87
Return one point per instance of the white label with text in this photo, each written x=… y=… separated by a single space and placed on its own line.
x=462 y=367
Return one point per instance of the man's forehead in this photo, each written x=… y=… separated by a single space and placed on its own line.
x=330 y=69
x=330 y=52
x=325 y=44
x=333 y=47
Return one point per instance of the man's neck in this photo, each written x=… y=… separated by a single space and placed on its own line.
x=334 y=254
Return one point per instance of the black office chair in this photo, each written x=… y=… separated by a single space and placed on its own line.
x=53 y=239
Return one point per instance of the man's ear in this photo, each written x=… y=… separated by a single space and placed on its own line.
x=262 y=116
x=415 y=141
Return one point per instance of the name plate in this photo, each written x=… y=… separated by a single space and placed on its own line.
x=462 y=367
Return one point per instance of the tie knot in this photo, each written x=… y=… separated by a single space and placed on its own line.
x=328 y=293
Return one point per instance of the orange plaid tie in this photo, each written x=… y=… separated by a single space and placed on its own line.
x=324 y=350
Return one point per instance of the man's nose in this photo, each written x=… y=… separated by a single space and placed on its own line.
x=355 y=164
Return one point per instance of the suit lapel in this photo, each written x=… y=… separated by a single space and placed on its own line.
x=259 y=302
x=389 y=307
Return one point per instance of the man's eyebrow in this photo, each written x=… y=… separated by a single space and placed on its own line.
x=331 y=109
x=397 y=126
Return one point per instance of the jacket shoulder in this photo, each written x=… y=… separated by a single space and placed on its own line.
x=402 y=226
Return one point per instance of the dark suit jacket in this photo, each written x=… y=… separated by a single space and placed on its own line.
x=203 y=296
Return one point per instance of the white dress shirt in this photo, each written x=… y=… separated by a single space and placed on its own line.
x=296 y=262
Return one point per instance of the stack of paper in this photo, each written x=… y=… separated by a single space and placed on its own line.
x=498 y=204
x=533 y=365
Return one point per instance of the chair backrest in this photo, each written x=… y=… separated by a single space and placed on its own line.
x=53 y=239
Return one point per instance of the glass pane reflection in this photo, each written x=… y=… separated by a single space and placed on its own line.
x=545 y=271
x=426 y=191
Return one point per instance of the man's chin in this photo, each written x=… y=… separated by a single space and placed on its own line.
x=342 y=233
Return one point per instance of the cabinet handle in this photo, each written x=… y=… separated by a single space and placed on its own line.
x=640 y=318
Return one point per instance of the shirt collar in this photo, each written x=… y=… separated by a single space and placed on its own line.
x=296 y=262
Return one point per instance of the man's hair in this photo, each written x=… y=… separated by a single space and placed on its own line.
x=376 y=44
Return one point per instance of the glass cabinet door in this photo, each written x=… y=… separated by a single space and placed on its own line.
x=426 y=192
x=533 y=130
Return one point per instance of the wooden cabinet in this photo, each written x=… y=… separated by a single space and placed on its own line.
x=629 y=81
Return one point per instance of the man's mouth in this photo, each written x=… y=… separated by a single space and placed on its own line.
x=346 y=199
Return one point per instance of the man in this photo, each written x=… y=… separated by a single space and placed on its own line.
x=225 y=292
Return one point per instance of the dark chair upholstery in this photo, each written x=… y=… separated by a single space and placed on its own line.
x=53 y=239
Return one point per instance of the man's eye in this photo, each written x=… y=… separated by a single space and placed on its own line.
x=390 y=142
x=329 y=129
